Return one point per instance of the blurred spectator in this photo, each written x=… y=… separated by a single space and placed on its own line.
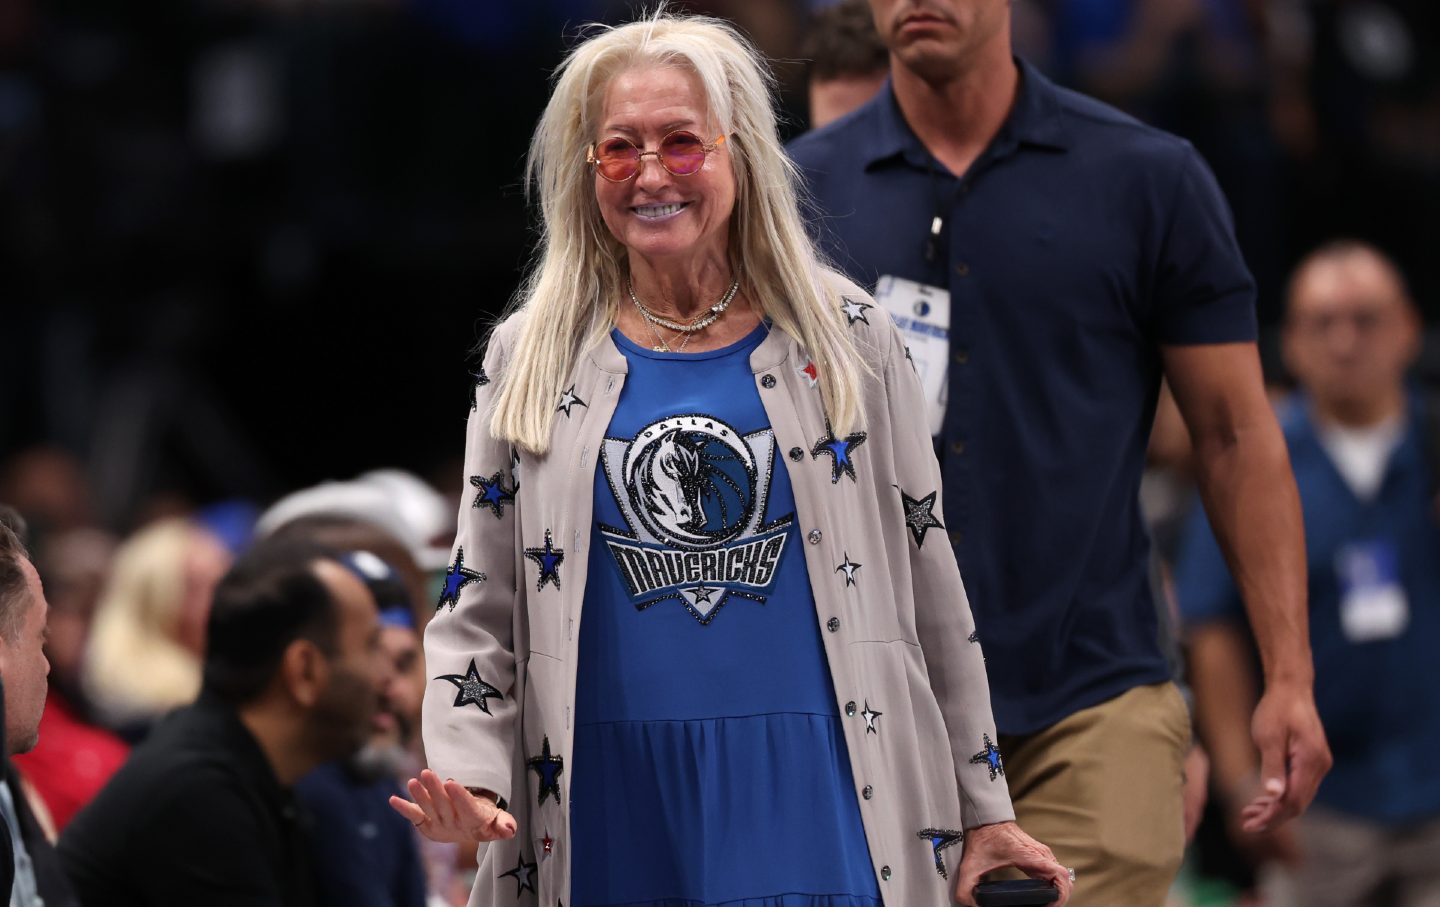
x=74 y=758
x=1366 y=455
x=366 y=853
x=149 y=630
x=48 y=485
x=203 y=812
x=848 y=62
x=398 y=503
x=30 y=876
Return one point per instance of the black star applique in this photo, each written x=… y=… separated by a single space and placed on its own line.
x=493 y=493
x=974 y=636
x=870 y=715
x=854 y=310
x=479 y=380
x=840 y=450
x=456 y=578
x=471 y=689
x=919 y=516
x=849 y=568
x=940 y=838
x=989 y=757
x=549 y=559
x=547 y=769
x=567 y=400
x=523 y=874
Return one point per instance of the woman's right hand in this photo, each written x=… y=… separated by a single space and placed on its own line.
x=445 y=811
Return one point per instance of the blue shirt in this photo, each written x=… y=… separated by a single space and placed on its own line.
x=366 y=854
x=1378 y=699
x=709 y=764
x=1077 y=244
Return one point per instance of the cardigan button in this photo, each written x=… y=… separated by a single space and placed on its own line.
x=797 y=454
x=815 y=536
x=767 y=382
x=850 y=709
x=868 y=792
x=833 y=624
x=885 y=873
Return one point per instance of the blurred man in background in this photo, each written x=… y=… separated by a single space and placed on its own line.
x=366 y=854
x=848 y=61
x=203 y=811
x=1366 y=453
x=30 y=876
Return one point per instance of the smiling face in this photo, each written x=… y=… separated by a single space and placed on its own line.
x=658 y=215
x=937 y=39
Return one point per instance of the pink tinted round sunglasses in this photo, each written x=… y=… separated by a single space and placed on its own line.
x=681 y=153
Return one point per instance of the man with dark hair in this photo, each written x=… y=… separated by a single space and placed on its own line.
x=203 y=812
x=22 y=637
x=1048 y=260
x=29 y=869
x=848 y=61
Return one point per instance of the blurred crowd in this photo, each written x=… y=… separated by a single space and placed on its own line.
x=247 y=248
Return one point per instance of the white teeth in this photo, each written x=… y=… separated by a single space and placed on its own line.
x=657 y=210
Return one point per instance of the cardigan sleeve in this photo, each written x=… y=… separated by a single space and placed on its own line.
x=944 y=625
x=470 y=711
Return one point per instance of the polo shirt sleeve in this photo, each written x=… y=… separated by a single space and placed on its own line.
x=1203 y=292
x=1204 y=590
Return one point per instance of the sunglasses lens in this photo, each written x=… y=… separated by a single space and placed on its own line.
x=683 y=153
x=617 y=159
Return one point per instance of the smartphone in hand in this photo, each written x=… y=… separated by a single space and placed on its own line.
x=1016 y=893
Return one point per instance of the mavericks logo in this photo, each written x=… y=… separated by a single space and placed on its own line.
x=693 y=492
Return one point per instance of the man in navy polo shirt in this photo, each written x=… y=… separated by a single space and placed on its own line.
x=1049 y=259
x=1364 y=456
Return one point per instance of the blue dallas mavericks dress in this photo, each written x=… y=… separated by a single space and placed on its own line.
x=709 y=765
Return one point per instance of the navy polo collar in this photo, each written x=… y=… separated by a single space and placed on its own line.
x=1036 y=120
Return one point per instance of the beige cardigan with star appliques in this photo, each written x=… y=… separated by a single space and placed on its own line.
x=897 y=629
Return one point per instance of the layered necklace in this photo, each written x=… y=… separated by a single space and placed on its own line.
x=686 y=329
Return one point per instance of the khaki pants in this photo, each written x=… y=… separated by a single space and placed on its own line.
x=1102 y=789
x=1349 y=862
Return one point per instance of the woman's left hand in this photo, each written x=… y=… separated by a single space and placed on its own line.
x=445 y=811
x=991 y=847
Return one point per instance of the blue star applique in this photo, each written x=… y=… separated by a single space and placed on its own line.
x=471 y=689
x=480 y=379
x=940 y=838
x=493 y=493
x=854 y=310
x=989 y=757
x=523 y=874
x=839 y=450
x=549 y=559
x=849 y=568
x=456 y=578
x=547 y=769
x=567 y=400
x=919 y=515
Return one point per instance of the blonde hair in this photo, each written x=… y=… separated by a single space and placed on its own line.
x=135 y=667
x=570 y=293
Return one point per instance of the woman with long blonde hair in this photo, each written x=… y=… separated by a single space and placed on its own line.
x=148 y=637
x=693 y=647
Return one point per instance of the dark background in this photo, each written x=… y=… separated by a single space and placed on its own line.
x=247 y=246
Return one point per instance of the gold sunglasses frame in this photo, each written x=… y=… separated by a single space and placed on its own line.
x=705 y=149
